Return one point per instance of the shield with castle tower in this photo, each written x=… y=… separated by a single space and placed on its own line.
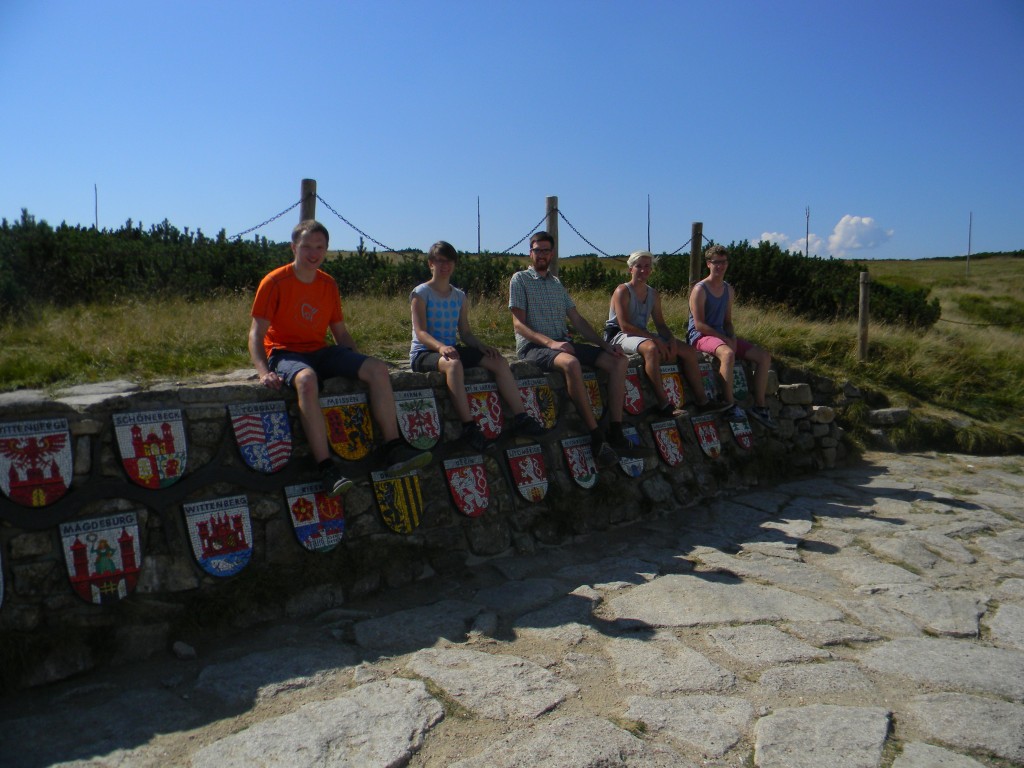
x=35 y=461
x=103 y=556
x=152 y=446
x=221 y=534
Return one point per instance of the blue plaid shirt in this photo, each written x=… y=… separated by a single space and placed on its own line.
x=545 y=302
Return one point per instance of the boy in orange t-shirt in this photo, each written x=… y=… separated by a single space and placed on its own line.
x=295 y=305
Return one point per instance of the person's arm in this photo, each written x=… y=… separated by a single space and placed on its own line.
x=519 y=326
x=341 y=335
x=258 y=355
x=665 y=337
x=419 y=327
x=727 y=321
x=584 y=329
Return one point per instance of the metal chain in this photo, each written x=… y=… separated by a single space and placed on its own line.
x=517 y=242
x=677 y=250
x=357 y=229
x=562 y=215
x=272 y=218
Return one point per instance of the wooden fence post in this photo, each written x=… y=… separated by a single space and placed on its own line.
x=696 y=240
x=862 y=317
x=551 y=223
x=307 y=210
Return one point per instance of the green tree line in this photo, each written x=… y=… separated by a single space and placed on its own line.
x=68 y=265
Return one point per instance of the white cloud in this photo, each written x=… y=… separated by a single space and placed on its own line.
x=816 y=243
x=774 y=237
x=856 y=233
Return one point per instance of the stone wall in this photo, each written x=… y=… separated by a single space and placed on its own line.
x=50 y=632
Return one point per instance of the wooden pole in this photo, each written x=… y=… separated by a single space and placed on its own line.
x=308 y=197
x=551 y=224
x=696 y=240
x=862 y=317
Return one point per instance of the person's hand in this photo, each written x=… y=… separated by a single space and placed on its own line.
x=562 y=346
x=664 y=348
x=448 y=352
x=271 y=380
x=615 y=350
x=489 y=351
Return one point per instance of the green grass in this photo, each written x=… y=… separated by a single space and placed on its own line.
x=964 y=366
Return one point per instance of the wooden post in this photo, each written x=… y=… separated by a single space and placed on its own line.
x=551 y=223
x=862 y=317
x=696 y=252
x=308 y=197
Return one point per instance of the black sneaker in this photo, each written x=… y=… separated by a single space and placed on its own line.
x=335 y=483
x=762 y=414
x=605 y=456
x=734 y=413
x=621 y=445
x=402 y=458
x=527 y=426
x=473 y=437
x=711 y=406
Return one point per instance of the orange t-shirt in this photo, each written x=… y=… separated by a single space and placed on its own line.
x=299 y=313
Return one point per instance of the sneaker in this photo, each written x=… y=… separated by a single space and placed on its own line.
x=473 y=437
x=334 y=482
x=621 y=445
x=734 y=413
x=711 y=406
x=763 y=415
x=402 y=458
x=527 y=426
x=605 y=457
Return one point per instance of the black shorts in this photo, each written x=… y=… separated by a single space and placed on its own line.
x=544 y=358
x=427 y=361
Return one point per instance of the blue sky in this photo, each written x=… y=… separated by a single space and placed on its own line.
x=893 y=121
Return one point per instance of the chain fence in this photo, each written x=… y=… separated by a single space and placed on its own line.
x=387 y=249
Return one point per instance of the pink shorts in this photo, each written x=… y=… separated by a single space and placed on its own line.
x=709 y=344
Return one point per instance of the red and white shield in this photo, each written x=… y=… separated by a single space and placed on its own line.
x=633 y=400
x=707 y=378
x=400 y=500
x=318 y=519
x=152 y=446
x=529 y=472
x=538 y=400
x=742 y=432
x=707 y=435
x=632 y=467
x=35 y=461
x=673 y=384
x=263 y=434
x=594 y=394
x=349 y=427
x=221 y=534
x=103 y=556
x=417 y=417
x=467 y=481
x=485 y=407
x=669 y=442
x=580 y=460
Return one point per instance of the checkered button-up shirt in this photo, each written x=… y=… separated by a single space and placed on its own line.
x=545 y=302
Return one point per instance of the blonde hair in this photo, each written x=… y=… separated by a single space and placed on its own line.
x=635 y=256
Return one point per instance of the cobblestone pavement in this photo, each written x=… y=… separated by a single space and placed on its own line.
x=867 y=616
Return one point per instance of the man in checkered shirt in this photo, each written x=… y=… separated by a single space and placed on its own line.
x=540 y=307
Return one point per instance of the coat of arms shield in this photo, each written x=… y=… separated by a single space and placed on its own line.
x=632 y=467
x=742 y=432
x=400 y=500
x=529 y=472
x=467 y=481
x=418 y=419
x=594 y=393
x=633 y=400
x=349 y=427
x=707 y=378
x=485 y=407
x=707 y=435
x=103 y=556
x=673 y=384
x=669 y=442
x=221 y=534
x=318 y=519
x=538 y=400
x=580 y=460
x=35 y=461
x=152 y=446
x=740 y=390
x=263 y=434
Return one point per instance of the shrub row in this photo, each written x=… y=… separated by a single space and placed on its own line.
x=69 y=265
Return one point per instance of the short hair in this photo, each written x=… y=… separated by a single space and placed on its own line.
x=715 y=250
x=635 y=256
x=444 y=250
x=541 y=236
x=307 y=227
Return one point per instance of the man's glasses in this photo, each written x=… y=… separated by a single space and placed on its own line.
x=718 y=263
x=541 y=251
